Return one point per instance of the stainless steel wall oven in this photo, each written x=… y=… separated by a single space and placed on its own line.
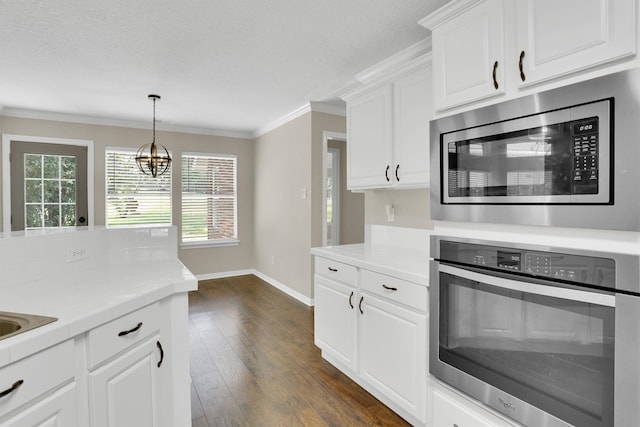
x=543 y=158
x=546 y=335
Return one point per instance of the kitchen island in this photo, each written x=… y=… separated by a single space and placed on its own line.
x=118 y=352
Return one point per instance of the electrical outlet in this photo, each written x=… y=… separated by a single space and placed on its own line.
x=77 y=254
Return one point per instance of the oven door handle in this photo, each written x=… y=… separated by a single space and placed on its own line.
x=531 y=288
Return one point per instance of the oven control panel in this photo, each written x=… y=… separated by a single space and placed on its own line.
x=567 y=267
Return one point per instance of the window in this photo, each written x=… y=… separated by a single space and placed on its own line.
x=49 y=191
x=134 y=198
x=209 y=198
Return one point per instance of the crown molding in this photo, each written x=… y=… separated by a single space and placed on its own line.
x=395 y=62
x=447 y=12
x=282 y=120
x=321 y=107
x=91 y=120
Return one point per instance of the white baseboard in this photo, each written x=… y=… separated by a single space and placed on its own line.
x=224 y=274
x=273 y=282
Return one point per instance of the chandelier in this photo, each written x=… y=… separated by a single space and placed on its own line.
x=153 y=159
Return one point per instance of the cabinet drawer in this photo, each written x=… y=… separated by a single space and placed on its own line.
x=39 y=373
x=111 y=338
x=395 y=289
x=338 y=271
x=450 y=411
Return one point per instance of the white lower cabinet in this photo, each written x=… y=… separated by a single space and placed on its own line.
x=374 y=328
x=125 y=392
x=393 y=344
x=335 y=320
x=58 y=410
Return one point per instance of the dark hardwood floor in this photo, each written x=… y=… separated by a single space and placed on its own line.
x=253 y=363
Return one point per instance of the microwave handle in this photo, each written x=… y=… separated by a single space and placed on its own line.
x=531 y=288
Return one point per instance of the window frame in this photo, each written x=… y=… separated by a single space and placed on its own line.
x=234 y=241
x=133 y=151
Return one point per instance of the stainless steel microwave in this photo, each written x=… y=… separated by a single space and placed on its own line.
x=568 y=157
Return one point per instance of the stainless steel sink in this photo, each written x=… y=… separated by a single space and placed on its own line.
x=16 y=323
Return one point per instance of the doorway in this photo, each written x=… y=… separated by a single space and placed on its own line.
x=332 y=197
x=47 y=183
x=342 y=210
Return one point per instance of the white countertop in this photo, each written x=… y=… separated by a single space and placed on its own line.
x=85 y=299
x=404 y=263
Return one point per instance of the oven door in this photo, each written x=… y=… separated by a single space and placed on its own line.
x=537 y=352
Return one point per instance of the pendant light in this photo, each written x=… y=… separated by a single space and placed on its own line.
x=153 y=159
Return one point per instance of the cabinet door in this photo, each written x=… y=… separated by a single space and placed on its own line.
x=125 y=392
x=335 y=320
x=468 y=56
x=559 y=37
x=369 y=140
x=412 y=110
x=58 y=410
x=393 y=345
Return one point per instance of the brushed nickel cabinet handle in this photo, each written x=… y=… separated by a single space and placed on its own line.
x=495 y=80
x=521 y=66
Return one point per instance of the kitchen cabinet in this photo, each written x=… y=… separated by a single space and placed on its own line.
x=335 y=320
x=28 y=380
x=468 y=53
x=388 y=130
x=126 y=391
x=449 y=409
x=492 y=48
x=556 y=38
x=58 y=410
x=374 y=328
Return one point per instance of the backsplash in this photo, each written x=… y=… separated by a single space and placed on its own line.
x=56 y=254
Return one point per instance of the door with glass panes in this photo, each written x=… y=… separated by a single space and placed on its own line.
x=48 y=185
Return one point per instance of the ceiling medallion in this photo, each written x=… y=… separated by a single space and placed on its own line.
x=153 y=159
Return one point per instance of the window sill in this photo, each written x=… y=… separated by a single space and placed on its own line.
x=209 y=244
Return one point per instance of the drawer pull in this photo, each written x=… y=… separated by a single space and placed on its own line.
x=123 y=333
x=334 y=270
x=11 y=389
x=389 y=288
x=360 y=305
x=161 y=353
x=351 y=296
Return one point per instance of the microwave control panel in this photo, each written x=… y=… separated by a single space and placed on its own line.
x=584 y=144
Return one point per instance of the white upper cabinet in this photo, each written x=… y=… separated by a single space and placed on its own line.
x=468 y=52
x=485 y=48
x=388 y=129
x=412 y=110
x=559 y=37
x=369 y=139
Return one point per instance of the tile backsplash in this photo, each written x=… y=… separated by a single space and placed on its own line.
x=55 y=254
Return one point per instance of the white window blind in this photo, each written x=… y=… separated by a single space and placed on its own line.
x=133 y=198
x=209 y=198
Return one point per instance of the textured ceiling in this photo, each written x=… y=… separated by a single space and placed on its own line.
x=230 y=65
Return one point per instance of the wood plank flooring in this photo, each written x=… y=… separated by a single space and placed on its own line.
x=253 y=363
